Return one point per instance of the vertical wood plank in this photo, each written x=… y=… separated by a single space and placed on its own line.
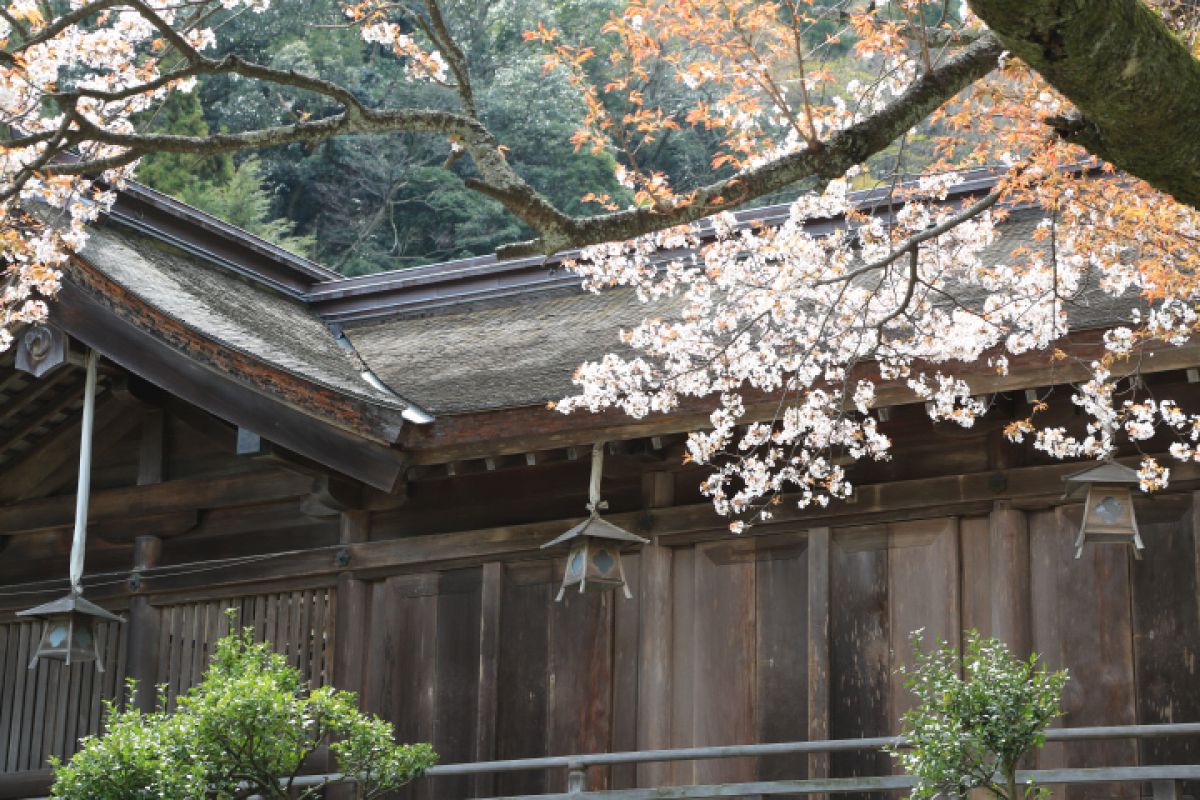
x=1167 y=640
x=923 y=583
x=491 y=596
x=523 y=671
x=1082 y=622
x=21 y=692
x=724 y=686
x=320 y=640
x=104 y=636
x=456 y=687
x=8 y=679
x=976 y=584
x=859 y=639
x=580 y=679
x=818 y=633
x=655 y=659
x=683 y=663
x=783 y=655
x=181 y=661
x=70 y=733
x=627 y=615
x=1008 y=555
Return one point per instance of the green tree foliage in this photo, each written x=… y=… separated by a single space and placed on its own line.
x=176 y=173
x=235 y=194
x=242 y=201
x=248 y=728
x=977 y=714
x=372 y=203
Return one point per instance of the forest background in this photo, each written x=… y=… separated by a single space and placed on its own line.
x=383 y=202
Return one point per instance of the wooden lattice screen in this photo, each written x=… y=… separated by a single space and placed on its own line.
x=299 y=623
x=44 y=711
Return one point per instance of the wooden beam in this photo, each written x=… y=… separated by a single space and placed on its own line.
x=163 y=498
x=60 y=405
x=1030 y=487
x=48 y=467
x=520 y=430
x=31 y=394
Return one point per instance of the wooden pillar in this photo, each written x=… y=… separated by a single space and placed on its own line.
x=819 y=540
x=491 y=596
x=351 y=620
x=655 y=665
x=151 y=452
x=144 y=627
x=1008 y=550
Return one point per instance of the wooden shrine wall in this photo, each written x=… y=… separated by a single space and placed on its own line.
x=779 y=638
x=786 y=636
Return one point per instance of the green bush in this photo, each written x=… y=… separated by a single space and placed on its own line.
x=977 y=714
x=248 y=728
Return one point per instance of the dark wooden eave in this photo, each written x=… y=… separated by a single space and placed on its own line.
x=342 y=432
x=506 y=431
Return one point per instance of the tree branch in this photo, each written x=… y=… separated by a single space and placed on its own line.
x=496 y=177
x=1136 y=85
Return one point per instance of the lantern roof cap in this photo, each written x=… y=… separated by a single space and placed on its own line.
x=71 y=603
x=598 y=528
x=1101 y=472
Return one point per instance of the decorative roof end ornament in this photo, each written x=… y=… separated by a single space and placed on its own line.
x=594 y=558
x=1108 y=515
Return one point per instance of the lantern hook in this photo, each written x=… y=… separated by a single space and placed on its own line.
x=595 y=504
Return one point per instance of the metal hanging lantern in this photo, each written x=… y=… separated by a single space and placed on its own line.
x=69 y=623
x=1108 y=516
x=69 y=630
x=594 y=560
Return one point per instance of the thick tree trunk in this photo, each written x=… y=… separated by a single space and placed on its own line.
x=1135 y=84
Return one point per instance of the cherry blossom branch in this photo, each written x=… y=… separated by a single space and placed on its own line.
x=497 y=179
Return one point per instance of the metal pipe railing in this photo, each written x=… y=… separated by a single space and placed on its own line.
x=783 y=748
x=1163 y=777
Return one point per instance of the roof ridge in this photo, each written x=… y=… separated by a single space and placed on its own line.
x=338 y=298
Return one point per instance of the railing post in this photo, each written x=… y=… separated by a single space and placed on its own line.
x=577 y=778
x=1166 y=790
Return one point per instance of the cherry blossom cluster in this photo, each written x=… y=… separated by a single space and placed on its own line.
x=797 y=324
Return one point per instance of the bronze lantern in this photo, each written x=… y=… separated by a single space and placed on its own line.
x=594 y=560
x=1108 y=516
x=69 y=630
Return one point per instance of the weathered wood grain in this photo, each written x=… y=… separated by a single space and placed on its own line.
x=491 y=598
x=860 y=636
x=923 y=594
x=1166 y=639
x=782 y=655
x=1082 y=622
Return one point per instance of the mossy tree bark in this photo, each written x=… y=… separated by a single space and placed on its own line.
x=1136 y=86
